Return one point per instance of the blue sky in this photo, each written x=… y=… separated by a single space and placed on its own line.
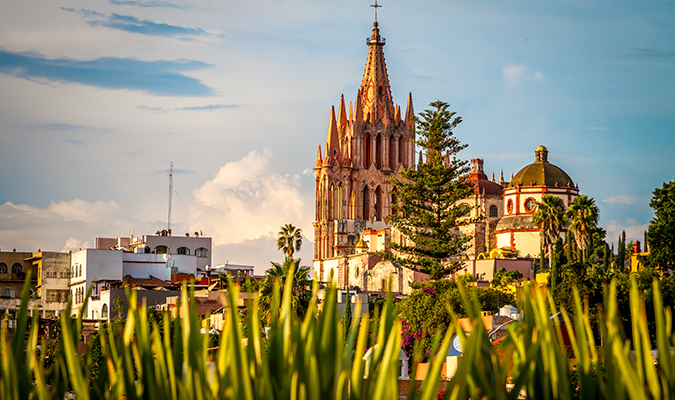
x=100 y=96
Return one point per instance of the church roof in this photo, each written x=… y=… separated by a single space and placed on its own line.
x=541 y=173
x=375 y=93
x=483 y=186
x=480 y=181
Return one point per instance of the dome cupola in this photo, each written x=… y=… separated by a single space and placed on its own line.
x=541 y=173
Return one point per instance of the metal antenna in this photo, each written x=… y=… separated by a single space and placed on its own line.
x=170 y=196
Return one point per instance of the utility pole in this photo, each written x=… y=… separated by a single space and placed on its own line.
x=170 y=197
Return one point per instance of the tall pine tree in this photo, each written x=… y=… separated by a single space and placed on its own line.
x=427 y=212
x=621 y=250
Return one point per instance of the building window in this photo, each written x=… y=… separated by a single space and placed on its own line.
x=3 y=268
x=161 y=250
x=17 y=268
x=104 y=312
x=509 y=206
x=50 y=273
x=8 y=292
x=494 y=211
x=64 y=273
x=201 y=252
x=530 y=204
x=184 y=250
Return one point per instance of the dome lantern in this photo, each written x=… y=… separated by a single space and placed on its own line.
x=541 y=154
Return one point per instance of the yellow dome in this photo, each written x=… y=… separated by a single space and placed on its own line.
x=362 y=244
x=541 y=173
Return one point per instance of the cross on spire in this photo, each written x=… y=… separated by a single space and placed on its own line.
x=375 y=6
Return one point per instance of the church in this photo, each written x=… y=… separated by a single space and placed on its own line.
x=370 y=143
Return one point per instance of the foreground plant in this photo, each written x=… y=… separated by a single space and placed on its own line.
x=311 y=358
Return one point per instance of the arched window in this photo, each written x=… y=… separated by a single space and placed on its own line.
x=202 y=252
x=184 y=250
x=64 y=273
x=366 y=152
x=3 y=268
x=161 y=250
x=331 y=202
x=391 y=163
x=494 y=211
x=401 y=150
x=366 y=203
x=8 y=292
x=341 y=203
x=104 y=312
x=378 y=151
x=17 y=268
x=50 y=273
x=378 y=204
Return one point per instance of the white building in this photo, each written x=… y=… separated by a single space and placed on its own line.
x=94 y=265
x=163 y=243
x=53 y=281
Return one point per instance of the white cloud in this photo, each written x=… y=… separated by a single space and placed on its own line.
x=515 y=74
x=80 y=210
x=245 y=201
x=73 y=244
x=627 y=199
x=62 y=226
x=634 y=230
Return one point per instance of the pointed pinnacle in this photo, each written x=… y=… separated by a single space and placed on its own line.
x=332 y=139
x=342 y=122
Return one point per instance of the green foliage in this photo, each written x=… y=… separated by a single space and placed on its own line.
x=504 y=277
x=621 y=251
x=662 y=228
x=584 y=216
x=117 y=309
x=550 y=218
x=289 y=240
x=310 y=358
x=430 y=309
x=426 y=212
x=299 y=284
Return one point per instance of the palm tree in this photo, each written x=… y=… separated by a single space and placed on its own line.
x=550 y=218
x=289 y=240
x=584 y=215
x=300 y=296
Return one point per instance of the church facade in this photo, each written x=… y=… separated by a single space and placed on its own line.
x=365 y=148
x=367 y=145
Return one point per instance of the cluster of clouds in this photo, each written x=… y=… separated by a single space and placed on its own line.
x=514 y=75
x=242 y=208
x=132 y=24
x=246 y=200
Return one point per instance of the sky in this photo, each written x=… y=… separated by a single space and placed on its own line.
x=99 y=97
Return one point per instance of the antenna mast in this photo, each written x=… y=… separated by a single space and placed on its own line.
x=170 y=196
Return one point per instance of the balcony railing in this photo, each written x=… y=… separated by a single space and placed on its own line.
x=370 y=40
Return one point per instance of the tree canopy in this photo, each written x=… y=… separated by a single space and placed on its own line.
x=583 y=215
x=289 y=240
x=662 y=228
x=278 y=273
x=550 y=218
x=427 y=212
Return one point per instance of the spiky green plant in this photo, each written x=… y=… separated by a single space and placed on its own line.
x=312 y=358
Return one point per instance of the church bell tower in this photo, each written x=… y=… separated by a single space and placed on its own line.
x=365 y=148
